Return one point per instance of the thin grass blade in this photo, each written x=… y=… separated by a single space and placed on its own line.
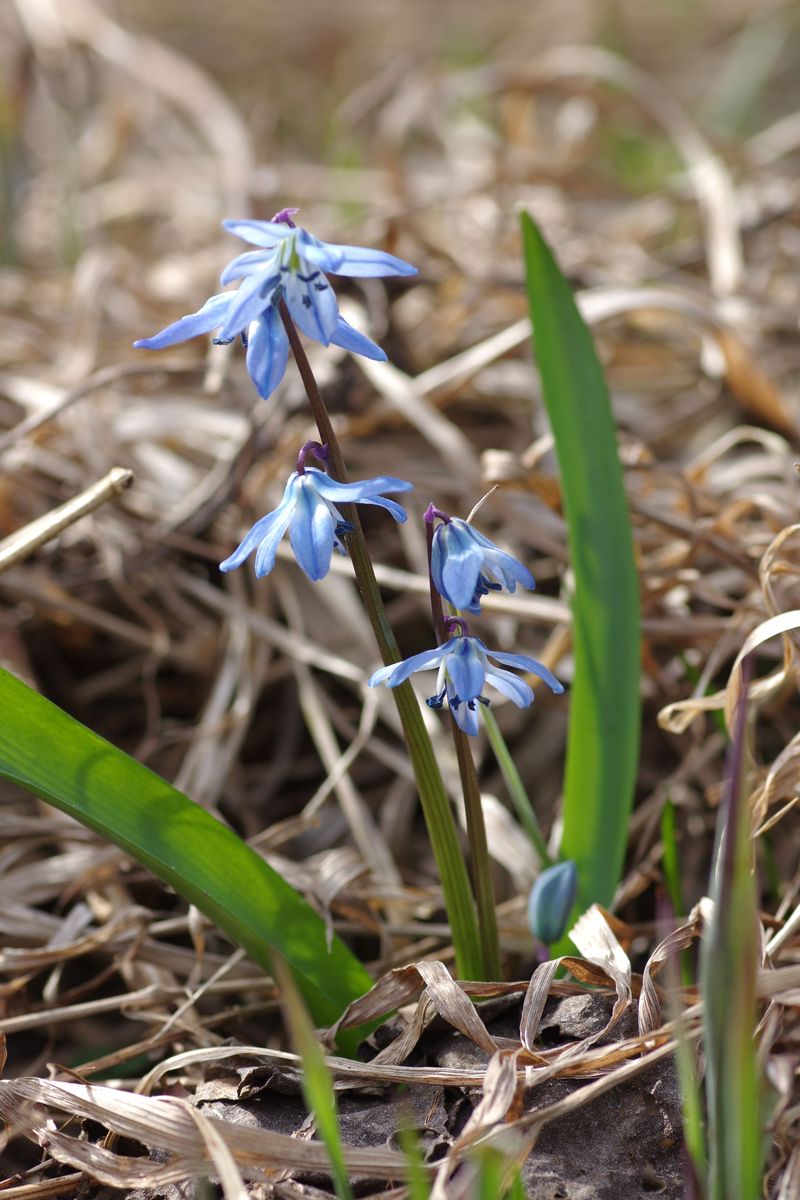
x=317 y=1081
x=603 y=741
x=729 y=965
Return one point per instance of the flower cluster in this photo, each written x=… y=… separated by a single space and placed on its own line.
x=284 y=280
x=288 y=267
x=464 y=567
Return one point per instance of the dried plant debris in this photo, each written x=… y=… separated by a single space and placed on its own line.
x=140 y=1052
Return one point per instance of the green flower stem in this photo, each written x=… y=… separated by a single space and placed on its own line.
x=516 y=788
x=471 y=790
x=433 y=797
x=479 y=854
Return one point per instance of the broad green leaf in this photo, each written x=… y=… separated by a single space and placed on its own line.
x=603 y=741
x=50 y=754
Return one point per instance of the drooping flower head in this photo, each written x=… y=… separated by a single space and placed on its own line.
x=466 y=665
x=309 y=511
x=289 y=265
x=465 y=565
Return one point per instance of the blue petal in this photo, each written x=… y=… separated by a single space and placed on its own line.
x=362 y=489
x=512 y=686
x=253 y=297
x=397 y=673
x=312 y=303
x=382 y=675
x=465 y=716
x=508 y=570
x=523 y=663
x=259 y=233
x=312 y=532
x=359 y=261
x=267 y=352
x=365 y=491
x=350 y=339
x=266 y=534
x=246 y=264
x=209 y=317
x=455 y=563
x=466 y=667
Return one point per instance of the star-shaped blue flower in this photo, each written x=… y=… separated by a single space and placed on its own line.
x=308 y=510
x=289 y=265
x=465 y=667
x=465 y=565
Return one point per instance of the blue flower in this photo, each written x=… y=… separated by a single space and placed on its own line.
x=462 y=561
x=290 y=265
x=465 y=667
x=308 y=510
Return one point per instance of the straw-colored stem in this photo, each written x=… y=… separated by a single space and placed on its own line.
x=433 y=797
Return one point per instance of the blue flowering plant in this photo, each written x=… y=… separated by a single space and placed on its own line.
x=283 y=287
x=288 y=268
x=466 y=666
x=309 y=510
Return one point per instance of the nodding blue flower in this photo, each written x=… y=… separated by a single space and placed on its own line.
x=316 y=526
x=289 y=265
x=465 y=565
x=550 y=902
x=465 y=667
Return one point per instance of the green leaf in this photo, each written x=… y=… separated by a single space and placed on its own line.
x=316 y=1080
x=50 y=754
x=603 y=740
x=729 y=966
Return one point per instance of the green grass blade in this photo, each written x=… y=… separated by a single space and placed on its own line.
x=48 y=753
x=729 y=963
x=417 y=1177
x=317 y=1081
x=603 y=741
x=516 y=788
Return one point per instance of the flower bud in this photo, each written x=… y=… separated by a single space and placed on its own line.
x=551 y=900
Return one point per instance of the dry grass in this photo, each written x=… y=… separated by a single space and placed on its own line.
x=127 y=133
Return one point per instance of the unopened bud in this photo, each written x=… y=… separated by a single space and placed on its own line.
x=551 y=900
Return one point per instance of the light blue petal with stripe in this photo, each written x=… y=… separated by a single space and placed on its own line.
x=359 y=261
x=209 y=317
x=365 y=491
x=397 y=673
x=357 y=343
x=312 y=531
x=466 y=668
x=267 y=352
x=259 y=233
x=455 y=563
x=523 y=663
x=252 y=298
x=249 y=263
x=511 y=685
x=312 y=303
x=265 y=535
